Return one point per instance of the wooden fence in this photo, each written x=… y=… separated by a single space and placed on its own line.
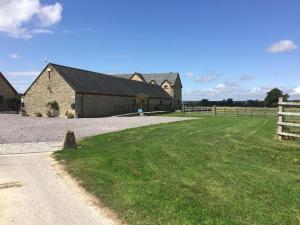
x=217 y=110
x=287 y=124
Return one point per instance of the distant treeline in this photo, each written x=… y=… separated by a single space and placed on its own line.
x=226 y=102
x=271 y=100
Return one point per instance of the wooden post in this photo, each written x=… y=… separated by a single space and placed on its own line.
x=280 y=118
x=265 y=111
x=215 y=110
x=251 y=111
x=237 y=111
x=224 y=111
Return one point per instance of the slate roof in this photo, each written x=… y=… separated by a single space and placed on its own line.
x=9 y=84
x=159 y=78
x=88 y=82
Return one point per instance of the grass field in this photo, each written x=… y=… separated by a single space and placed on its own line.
x=212 y=170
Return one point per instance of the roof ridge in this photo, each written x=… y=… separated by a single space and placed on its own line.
x=89 y=71
x=54 y=64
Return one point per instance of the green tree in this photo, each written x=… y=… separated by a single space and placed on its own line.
x=229 y=102
x=273 y=96
x=141 y=100
x=204 y=102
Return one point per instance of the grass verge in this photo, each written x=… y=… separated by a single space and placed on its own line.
x=217 y=170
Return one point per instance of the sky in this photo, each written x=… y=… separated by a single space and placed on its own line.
x=236 y=49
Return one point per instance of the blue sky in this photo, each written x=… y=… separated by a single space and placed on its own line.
x=230 y=48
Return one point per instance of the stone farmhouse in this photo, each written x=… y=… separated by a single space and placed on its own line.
x=7 y=94
x=91 y=94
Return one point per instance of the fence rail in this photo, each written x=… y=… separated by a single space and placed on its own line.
x=287 y=109
x=217 y=110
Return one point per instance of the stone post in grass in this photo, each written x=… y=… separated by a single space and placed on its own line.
x=70 y=140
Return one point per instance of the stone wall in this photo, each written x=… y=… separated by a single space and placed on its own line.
x=103 y=105
x=167 y=87
x=49 y=88
x=174 y=92
x=177 y=94
x=6 y=94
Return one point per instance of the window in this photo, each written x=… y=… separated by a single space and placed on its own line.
x=166 y=86
x=160 y=102
x=1 y=99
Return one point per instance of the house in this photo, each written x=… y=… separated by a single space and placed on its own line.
x=170 y=82
x=7 y=94
x=90 y=94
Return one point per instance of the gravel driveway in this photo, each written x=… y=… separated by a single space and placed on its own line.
x=46 y=134
x=19 y=129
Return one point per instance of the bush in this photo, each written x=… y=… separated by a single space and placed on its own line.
x=23 y=112
x=53 y=105
x=53 y=109
x=49 y=113
x=69 y=115
x=38 y=114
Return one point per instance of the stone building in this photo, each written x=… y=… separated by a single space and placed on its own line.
x=7 y=94
x=91 y=94
x=170 y=82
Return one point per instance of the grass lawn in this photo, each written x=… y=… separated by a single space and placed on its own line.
x=215 y=170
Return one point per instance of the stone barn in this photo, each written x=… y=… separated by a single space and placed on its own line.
x=90 y=94
x=170 y=82
x=7 y=94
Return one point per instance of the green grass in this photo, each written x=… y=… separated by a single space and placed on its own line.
x=214 y=170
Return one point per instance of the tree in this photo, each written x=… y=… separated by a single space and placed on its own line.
x=204 y=102
x=229 y=102
x=273 y=96
x=141 y=100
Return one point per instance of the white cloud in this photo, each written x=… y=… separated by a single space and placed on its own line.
x=246 y=77
x=189 y=74
x=14 y=56
x=227 y=90
x=296 y=91
x=50 y=14
x=232 y=90
x=42 y=31
x=22 y=74
x=22 y=18
x=282 y=46
x=210 y=76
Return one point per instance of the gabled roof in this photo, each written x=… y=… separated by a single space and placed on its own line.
x=159 y=78
x=7 y=82
x=88 y=82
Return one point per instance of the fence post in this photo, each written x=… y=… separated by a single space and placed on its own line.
x=251 y=111
x=224 y=111
x=237 y=111
x=265 y=111
x=280 y=118
x=215 y=110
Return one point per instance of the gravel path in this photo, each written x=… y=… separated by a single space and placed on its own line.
x=18 y=129
x=32 y=147
x=32 y=193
